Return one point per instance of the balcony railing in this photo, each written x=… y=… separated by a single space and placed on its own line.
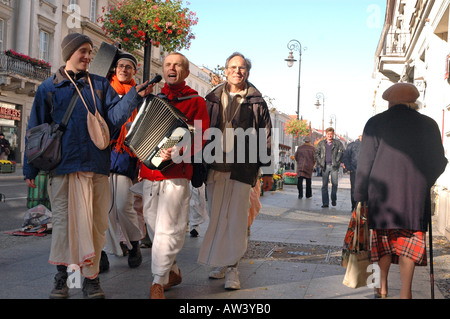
x=396 y=43
x=12 y=65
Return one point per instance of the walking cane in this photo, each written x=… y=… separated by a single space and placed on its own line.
x=430 y=237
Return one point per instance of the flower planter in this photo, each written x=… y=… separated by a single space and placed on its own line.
x=7 y=168
x=290 y=180
x=274 y=186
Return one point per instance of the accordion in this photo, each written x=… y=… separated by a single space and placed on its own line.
x=157 y=126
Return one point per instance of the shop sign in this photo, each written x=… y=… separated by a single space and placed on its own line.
x=9 y=114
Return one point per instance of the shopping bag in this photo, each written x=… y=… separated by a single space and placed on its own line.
x=359 y=216
x=356 y=256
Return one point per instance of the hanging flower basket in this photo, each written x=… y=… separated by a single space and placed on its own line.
x=163 y=22
x=297 y=128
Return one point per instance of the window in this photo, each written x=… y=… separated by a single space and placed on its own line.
x=93 y=11
x=44 y=46
x=2 y=28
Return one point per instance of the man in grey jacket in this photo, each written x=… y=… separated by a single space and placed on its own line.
x=328 y=156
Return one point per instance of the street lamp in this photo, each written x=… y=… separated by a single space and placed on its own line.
x=332 y=116
x=295 y=45
x=320 y=95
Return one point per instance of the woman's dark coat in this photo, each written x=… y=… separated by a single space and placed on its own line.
x=400 y=159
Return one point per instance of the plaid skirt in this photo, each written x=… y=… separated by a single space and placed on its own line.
x=399 y=242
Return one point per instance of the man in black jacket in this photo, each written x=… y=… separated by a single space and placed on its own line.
x=328 y=157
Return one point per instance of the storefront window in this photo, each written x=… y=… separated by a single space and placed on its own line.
x=8 y=117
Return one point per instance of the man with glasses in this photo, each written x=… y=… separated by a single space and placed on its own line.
x=124 y=229
x=235 y=104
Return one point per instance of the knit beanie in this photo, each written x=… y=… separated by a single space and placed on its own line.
x=72 y=42
x=127 y=56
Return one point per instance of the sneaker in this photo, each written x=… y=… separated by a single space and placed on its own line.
x=60 y=289
x=157 y=292
x=232 y=279
x=92 y=289
x=218 y=273
x=134 y=255
x=104 y=262
x=174 y=279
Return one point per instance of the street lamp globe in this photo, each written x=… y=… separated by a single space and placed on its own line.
x=290 y=60
x=317 y=104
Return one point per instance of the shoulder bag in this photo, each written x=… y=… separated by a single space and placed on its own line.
x=97 y=127
x=43 y=149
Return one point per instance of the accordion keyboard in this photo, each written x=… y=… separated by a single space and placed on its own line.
x=157 y=126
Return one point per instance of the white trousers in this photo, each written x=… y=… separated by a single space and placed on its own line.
x=166 y=213
x=123 y=219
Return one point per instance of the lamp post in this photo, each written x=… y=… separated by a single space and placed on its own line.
x=295 y=45
x=320 y=95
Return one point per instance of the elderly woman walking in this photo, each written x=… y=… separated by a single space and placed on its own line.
x=400 y=159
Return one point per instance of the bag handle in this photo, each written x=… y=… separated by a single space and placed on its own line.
x=359 y=207
x=78 y=90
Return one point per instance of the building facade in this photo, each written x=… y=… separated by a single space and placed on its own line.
x=414 y=47
x=35 y=29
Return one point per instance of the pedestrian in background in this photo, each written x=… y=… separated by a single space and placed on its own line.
x=328 y=155
x=350 y=161
x=234 y=104
x=400 y=159
x=305 y=158
x=5 y=148
x=78 y=187
x=124 y=229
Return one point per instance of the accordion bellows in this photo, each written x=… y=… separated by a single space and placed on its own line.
x=158 y=125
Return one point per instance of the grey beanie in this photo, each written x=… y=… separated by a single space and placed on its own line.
x=72 y=42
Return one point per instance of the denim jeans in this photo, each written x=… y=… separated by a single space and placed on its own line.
x=334 y=184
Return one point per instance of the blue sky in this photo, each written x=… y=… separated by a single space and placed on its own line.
x=339 y=38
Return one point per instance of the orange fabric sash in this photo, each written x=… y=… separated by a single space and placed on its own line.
x=122 y=89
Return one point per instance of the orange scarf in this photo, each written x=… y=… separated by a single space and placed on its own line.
x=122 y=89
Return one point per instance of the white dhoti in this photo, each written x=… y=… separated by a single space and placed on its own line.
x=166 y=212
x=123 y=219
x=225 y=240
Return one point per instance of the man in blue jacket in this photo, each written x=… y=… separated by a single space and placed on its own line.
x=78 y=187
